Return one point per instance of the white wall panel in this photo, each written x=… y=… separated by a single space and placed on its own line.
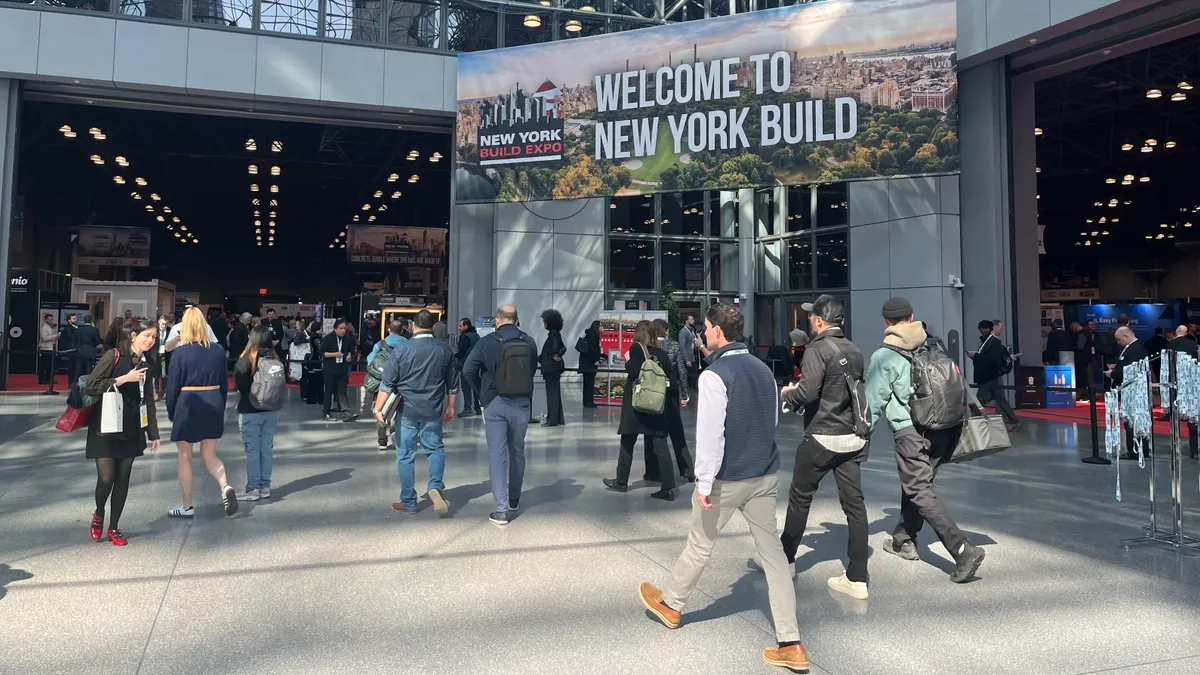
x=414 y=81
x=870 y=256
x=515 y=217
x=151 y=54
x=586 y=217
x=578 y=262
x=221 y=61
x=529 y=304
x=868 y=201
x=288 y=68
x=579 y=310
x=524 y=260
x=76 y=47
x=352 y=74
x=20 y=31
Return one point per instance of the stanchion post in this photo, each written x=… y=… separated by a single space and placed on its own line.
x=53 y=369
x=1095 y=458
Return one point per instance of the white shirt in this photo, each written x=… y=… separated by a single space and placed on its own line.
x=710 y=426
x=173 y=336
x=47 y=337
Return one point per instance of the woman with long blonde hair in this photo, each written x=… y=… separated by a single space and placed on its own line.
x=197 y=386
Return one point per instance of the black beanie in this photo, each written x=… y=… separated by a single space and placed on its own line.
x=897 y=308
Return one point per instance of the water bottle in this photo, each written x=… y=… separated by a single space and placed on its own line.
x=543 y=417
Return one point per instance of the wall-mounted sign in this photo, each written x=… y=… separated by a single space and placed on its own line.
x=822 y=91
x=380 y=245
x=114 y=246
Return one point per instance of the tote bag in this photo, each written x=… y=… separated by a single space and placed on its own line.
x=112 y=412
x=73 y=419
x=982 y=435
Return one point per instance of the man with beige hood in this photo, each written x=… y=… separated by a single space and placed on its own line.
x=919 y=451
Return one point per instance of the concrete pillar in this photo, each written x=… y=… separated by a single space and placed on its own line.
x=1026 y=335
x=746 y=279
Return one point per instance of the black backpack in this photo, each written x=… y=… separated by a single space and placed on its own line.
x=938 y=392
x=515 y=367
x=856 y=390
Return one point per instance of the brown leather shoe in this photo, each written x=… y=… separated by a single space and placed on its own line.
x=652 y=599
x=792 y=657
x=399 y=507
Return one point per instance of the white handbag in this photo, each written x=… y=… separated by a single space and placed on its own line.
x=112 y=412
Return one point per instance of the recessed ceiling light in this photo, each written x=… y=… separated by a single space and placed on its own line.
x=1185 y=85
x=270 y=223
x=183 y=228
x=1169 y=144
x=97 y=159
x=1178 y=96
x=1037 y=131
x=150 y=208
x=396 y=194
x=175 y=219
x=254 y=202
x=274 y=203
x=121 y=161
x=118 y=180
x=1144 y=179
x=166 y=209
x=140 y=181
x=383 y=207
x=258 y=223
x=155 y=197
x=378 y=194
x=274 y=188
x=135 y=195
x=1154 y=93
x=275 y=171
x=1110 y=181
x=393 y=178
x=1127 y=147
x=66 y=128
x=251 y=145
x=356 y=219
x=161 y=219
x=276 y=146
x=371 y=219
x=1151 y=142
x=366 y=207
x=254 y=187
x=1147 y=148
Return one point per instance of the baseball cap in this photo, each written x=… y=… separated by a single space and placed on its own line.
x=829 y=308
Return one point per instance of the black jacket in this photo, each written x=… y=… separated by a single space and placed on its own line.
x=239 y=337
x=632 y=420
x=990 y=359
x=69 y=342
x=1155 y=344
x=589 y=358
x=89 y=341
x=466 y=342
x=553 y=346
x=1185 y=344
x=1057 y=342
x=822 y=390
x=1133 y=352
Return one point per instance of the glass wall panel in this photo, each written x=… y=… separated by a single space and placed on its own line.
x=470 y=27
x=411 y=23
x=290 y=16
x=764 y=211
x=770 y=268
x=229 y=13
x=723 y=214
x=357 y=20
x=799 y=207
x=517 y=33
x=90 y=5
x=832 y=267
x=682 y=213
x=630 y=263
x=799 y=254
x=832 y=205
x=632 y=214
x=154 y=9
x=723 y=267
x=682 y=265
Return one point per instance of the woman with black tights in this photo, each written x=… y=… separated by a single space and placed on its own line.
x=125 y=368
x=635 y=423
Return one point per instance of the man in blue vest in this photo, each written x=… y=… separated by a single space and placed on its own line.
x=736 y=461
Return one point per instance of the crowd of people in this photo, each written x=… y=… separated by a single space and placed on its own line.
x=414 y=380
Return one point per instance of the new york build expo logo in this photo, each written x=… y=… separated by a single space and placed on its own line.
x=521 y=128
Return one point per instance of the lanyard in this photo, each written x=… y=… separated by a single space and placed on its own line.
x=339 y=341
x=733 y=351
x=1122 y=354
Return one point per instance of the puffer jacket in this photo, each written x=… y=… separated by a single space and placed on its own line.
x=822 y=390
x=677 y=367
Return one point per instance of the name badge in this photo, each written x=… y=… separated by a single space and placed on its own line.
x=145 y=416
x=339 y=357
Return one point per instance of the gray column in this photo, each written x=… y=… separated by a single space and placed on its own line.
x=984 y=194
x=9 y=98
x=747 y=284
x=1026 y=335
x=472 y=256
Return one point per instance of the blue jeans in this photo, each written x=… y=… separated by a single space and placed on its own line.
x=258 y=435
x=430 y=433
x=504 y=422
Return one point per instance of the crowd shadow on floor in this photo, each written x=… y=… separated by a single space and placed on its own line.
x=564 y=490
x=9 y=575
x=330 y=477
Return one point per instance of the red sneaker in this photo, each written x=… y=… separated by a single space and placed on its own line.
x=117 y=538
x=97 y=526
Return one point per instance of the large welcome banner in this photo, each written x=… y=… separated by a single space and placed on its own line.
x=816 y=92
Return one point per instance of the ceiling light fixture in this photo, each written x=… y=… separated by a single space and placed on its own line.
x=371 y=219
x=276 y=146
x=175 y=219
x=254 y=187
x=1144 y=179
x=253 y=169
x=1154 y=93
x=366 y=207
x=393 y=178
x=161 y=219
x=275 y=171
x=155 y=197
x=1127 y=147
x=135 y=195
x=1037 y=131
x=140 y=181
x=383 y=207
x=1110 y=181
x=274 y=188
x=150 y=208
x=356 y=219
x=1147 y=148
x=378 y=194
x=166 y=209
x=1151 y=142
x=121 y=161
x=396 y=194
x=1185 y=85
x=118 y=180
x=254 y=201
x=251 y=145
x=1169 y=144
x=1178 y=96
x=97 y=159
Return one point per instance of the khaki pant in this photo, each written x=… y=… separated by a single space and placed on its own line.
x=755 y=498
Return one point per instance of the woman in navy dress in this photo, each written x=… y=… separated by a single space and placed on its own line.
x=197 y=386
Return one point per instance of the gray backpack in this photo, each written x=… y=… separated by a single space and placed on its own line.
x=269 y=388
x=938 y=397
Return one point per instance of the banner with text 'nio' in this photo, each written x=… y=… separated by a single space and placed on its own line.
x=824 y=91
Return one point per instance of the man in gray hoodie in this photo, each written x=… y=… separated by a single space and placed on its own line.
x=919 y=452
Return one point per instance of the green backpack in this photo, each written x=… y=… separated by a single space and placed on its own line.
x=650 y=392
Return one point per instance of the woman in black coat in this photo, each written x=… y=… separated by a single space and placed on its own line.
x=653 y=428
x=551 y=361
x=589 y=363
x=124 y=367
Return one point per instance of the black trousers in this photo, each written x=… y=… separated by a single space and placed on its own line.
x=45 y=366
x=683 y=458
x=919 y=454
x=991 y=391
x=554 y=409
x=334 y=379
x=589 y=389
x=655 y=447
x=813 y=461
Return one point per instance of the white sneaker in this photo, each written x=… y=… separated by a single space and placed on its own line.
x=229 y=500
x=249 y=496
x=180 y=512
x=382 y=447
x=854 y=589
x=264 y=493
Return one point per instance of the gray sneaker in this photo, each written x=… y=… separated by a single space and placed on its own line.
x=907 y=550
x=264 y=493
x=249 y=496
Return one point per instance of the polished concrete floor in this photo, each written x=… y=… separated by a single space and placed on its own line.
x=326 y=579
